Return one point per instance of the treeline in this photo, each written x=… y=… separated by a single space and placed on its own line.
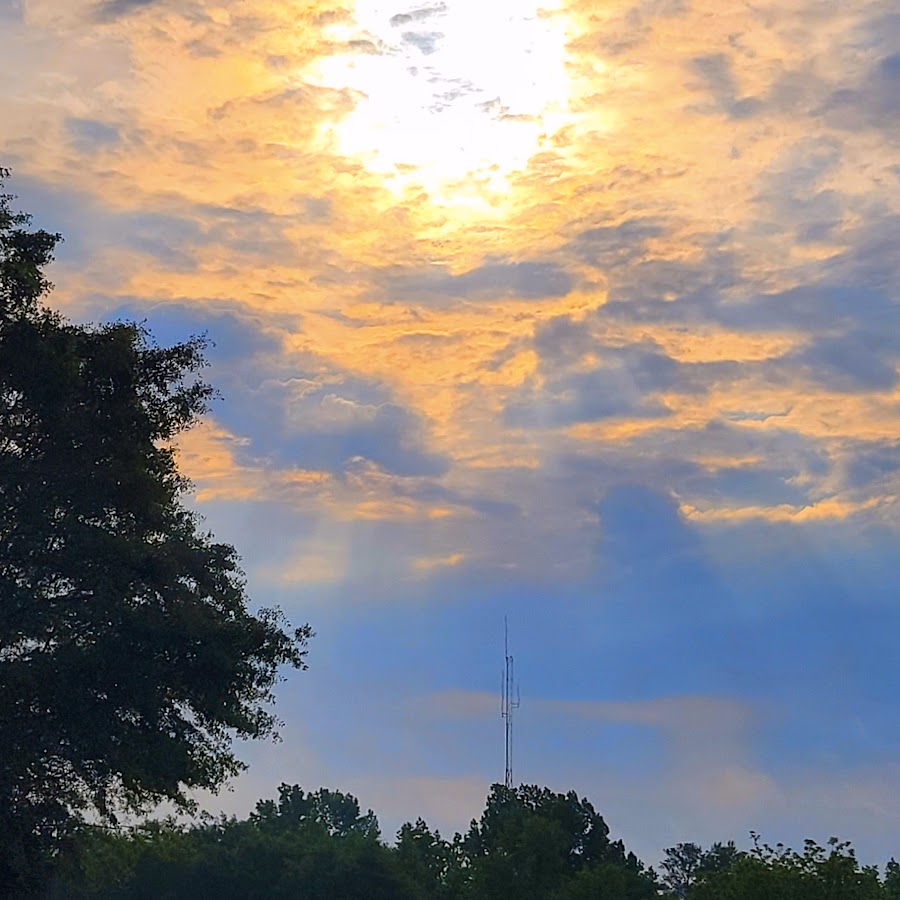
x=529 y=844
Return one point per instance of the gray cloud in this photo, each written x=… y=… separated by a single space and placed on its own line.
x=770 y=467
x=89 y=135
x=635 y=25
x=646 y=541
x=203 y=49
x=587 y=400
x=369 y=48
x=867 y=104
x=417 y=15
x=291 y=101
x=115 y=9
x=426 y=42
x=716 y=71
x=817 y=308
x=866 y=464
x=795 y=190
x=495 y=280
x=622 y=383
x=875 y=103
x=303 y=411
x=11 y=10
x=172 y=234
x=882 y=32
x=562 y=340
x=853 y=292
x=874 y=264
x=652 y=289
x=612 y=246
x=748 y=486
x=859 y=361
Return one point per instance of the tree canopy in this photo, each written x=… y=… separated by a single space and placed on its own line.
x=532 y=842
x=764 y=872
x=129 y=658
x=528 y=842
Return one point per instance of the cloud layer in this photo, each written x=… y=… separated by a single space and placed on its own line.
x=618 y=355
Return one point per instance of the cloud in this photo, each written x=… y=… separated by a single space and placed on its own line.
x=623 y=384
x=428 y=563
x=417 y=15
x=91 y=134
x=11 y=10
x=608 y=246
x=716 y=71
x=176 y=237
x=110 y=10
x=853 y=362
x=872 y=463
x=216 y=462
x=697 y=726
x=490 y=281
x=328 y=420
x=757 y=485
x=426 y=42
x=873 y=104
x=695 y=751
x=646 y=541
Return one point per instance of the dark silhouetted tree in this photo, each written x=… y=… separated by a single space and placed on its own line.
x=318 y=846
x=337 y=813
x=766 y=873
x=128 y=656
x=532 y=842
x=433 y=864
x=299 y=847
x=680 y=868
x=892 y=880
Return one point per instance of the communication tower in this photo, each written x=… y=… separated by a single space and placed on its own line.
x=509 y=702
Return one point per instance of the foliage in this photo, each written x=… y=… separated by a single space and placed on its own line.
x=435 y=866
x=534 y=843
x=336 y=813
x=313 y=846
x=892 y=880
x=318 y=845
x=680 y=867
x=815 y=874
x=685 y=863
x=128 y=656
x=528 y=843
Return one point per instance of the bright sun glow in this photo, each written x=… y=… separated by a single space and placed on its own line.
x=453 y=96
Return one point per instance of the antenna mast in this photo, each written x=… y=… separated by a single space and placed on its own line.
x=508 y=703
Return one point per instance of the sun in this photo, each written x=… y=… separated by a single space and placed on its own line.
x=453 y=96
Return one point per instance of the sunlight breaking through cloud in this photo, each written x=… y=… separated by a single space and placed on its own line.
x=451 y=96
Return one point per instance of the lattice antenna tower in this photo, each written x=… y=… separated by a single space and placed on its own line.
x=509 y=702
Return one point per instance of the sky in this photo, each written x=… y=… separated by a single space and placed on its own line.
x=581 y=314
